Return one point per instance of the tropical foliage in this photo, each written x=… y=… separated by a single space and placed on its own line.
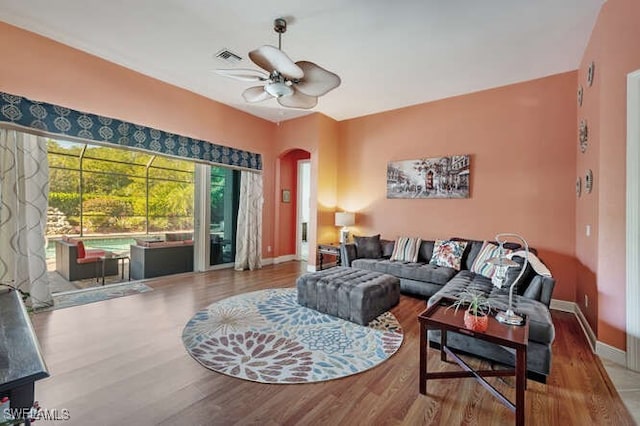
x=118 y=190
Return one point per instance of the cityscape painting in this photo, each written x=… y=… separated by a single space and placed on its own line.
x=438 y=177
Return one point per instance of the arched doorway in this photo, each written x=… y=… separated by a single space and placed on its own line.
x=293 y=205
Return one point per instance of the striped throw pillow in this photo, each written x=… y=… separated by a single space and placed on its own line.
x=406 y=249
x=488 y=251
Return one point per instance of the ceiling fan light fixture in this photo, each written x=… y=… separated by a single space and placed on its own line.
x=293 y=84
x=279 y=89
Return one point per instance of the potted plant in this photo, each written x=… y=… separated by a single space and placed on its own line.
x=478 y=307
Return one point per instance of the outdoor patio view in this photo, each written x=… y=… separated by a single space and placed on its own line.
x=109 y=197
x=98 y=190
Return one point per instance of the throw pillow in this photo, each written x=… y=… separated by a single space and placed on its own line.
x=448 y=253
x=387 y=248
x=426 y=251
x=406 y=249
x=514 y=271
x=82 y=253
x=368 y=247
x=488 y=251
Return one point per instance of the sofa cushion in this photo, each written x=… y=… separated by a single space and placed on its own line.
x=540 y=324
x=81 y=251
x=448 y=253
x=470 y=252
x=408 y=270
x=406 y=249
x=377 y=265
x=368 y=247
x=540 y=288
x=426 y=251
x=514 y=271
x=387 y=247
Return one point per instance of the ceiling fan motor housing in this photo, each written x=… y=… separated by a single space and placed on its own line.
x=280 y=25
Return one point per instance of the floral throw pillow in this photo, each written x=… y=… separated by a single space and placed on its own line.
x=448 y=253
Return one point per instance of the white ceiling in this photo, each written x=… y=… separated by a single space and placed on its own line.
x=389 y=54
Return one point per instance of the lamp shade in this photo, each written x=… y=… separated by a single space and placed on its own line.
x=345 y=219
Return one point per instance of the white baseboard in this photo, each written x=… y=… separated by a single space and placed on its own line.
x=573 y=308
x=563 y=305
x=221 y=266
x=267 y=261
x=282 y=259
x=613 y=354
x=586 y=328
x=603 y=350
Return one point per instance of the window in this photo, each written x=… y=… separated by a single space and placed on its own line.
x=104 y=190
x=96 y=190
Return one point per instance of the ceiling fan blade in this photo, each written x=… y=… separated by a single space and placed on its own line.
x=255 y=94
x=298 y=100
x=317 y=81
x=243 y=74
x=273 y=59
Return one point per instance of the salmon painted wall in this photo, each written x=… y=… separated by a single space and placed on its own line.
x=318 y=135
x=289 y=211
x=587 y=203
x=521 y=139
x=613 y=47
x=327 y=182
x=48 y=71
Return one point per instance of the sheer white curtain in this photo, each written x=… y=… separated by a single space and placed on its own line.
x=249 y=233
x=24 y=189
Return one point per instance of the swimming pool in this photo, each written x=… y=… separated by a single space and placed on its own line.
x=116 y=244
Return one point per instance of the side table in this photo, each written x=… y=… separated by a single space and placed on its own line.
x=437 y=316
x=332 y=249
x=119 y=258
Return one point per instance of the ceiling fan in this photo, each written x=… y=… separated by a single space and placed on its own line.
x=294 y=85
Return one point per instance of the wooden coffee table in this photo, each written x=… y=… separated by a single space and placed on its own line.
x=437 y=316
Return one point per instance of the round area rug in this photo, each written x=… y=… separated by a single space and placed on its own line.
x=266 y=336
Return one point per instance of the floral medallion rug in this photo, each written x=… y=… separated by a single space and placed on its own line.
x=266 y=336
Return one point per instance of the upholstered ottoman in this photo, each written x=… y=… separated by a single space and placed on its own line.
x=352 y=294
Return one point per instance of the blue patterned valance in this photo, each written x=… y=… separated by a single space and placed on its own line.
x=60 y=121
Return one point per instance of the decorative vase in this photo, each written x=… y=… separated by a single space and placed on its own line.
x=476 y=322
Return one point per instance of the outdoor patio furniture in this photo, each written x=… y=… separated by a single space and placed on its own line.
x=73 y=267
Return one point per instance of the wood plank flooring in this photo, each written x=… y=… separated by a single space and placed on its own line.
x=122 y=362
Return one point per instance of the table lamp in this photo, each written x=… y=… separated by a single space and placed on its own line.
x=502 y=263
x=345 y=220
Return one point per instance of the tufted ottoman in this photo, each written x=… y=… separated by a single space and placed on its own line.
x=352 y=294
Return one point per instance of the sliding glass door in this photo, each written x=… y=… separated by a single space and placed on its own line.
x=225 y=196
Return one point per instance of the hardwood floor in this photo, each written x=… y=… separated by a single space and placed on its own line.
x=122 y=362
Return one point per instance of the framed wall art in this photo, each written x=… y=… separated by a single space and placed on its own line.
x=437 y=177
x=286 y=195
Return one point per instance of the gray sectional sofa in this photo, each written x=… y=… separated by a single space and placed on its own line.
x=422 y=279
